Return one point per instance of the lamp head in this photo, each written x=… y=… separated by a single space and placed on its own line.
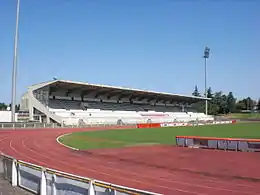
x=206 y=52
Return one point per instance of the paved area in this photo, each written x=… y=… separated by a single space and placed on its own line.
x=7 y=189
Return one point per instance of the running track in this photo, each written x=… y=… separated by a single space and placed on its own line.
x=163 y=169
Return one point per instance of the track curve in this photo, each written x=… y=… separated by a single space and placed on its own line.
x=162 y=169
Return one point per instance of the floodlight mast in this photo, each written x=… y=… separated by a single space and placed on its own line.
x=14 y=74
x=206 y=56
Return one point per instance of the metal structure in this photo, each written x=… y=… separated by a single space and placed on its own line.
x=14 y=75
x=206 y=56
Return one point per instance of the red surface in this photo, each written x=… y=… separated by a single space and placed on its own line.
x=163 y=169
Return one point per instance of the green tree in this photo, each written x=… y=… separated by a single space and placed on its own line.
x=258 y=105
x=3 y=106
x=196 y=92
x=240 y=105
x=224 y=105
x=212 y=107
x=249 y=103
x=245 y=104
x=209 y=93
x=17 y=107
x=231 y=102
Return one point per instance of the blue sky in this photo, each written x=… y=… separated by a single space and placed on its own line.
x=146 y=44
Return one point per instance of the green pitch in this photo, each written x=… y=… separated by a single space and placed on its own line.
x=138 y=137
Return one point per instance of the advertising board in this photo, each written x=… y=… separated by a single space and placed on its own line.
x=235 y=144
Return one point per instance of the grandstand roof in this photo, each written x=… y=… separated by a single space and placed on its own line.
x=121 y=91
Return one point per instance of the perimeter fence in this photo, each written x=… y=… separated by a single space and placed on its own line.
x=46 y=181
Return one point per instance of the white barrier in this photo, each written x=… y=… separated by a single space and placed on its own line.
x=245 y=145
x=45 y=181
x=179 y=124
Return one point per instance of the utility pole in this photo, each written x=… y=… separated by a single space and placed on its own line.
x=14 y=75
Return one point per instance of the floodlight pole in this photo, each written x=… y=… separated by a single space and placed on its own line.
x=14 y=75
x=206 y=56
x=206 y=94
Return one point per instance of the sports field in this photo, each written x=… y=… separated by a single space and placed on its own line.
x=155 y=136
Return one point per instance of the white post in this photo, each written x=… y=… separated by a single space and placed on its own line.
x=53 y=187
x=43 y=187
x=19 y=175
x=14 y=173
x=1 y=164
x=91 y=190
x=114 y=192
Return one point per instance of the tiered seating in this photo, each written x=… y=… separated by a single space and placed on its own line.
x=64 y=104
x=94 y=112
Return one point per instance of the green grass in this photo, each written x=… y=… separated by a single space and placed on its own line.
x=132 y=137
x=245 y=115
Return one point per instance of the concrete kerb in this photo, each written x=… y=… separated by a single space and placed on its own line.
x=59 y=142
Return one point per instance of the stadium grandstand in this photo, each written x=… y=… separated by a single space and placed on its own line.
x=78 y=103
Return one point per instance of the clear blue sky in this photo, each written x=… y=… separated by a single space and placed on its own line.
x=147 y=44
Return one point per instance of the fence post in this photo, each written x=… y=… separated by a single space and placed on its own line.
x=43 y=187
x=53 y=187
x=2 y=170
x=91 y=190
x=14 y=173
x=113 y=192
x=18 y=174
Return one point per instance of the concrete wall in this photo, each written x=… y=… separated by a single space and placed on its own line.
x=6 y=117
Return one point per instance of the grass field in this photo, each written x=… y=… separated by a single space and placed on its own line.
x=245 y=115
x=135 y=137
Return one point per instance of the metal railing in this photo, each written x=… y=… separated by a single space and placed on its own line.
x=35 y=125
x=46 y=181
x=31 y=125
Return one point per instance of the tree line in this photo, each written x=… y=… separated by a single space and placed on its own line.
x=4 y=106
x=222 y=103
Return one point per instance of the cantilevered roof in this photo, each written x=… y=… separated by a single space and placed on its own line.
x=85 y=88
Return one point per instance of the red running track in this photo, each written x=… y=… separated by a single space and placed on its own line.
x=164 y=169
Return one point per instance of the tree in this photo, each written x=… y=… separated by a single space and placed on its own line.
x=231 y=103
x=196 y=92
x=212 y=108
x=17 y=107
x=222 y=103
x=209 y=93
x=240 y=105
x=245 y=104
x=249 y=103
x=258 y=105
x=3 y=106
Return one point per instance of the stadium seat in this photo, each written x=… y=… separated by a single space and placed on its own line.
x=94 y=112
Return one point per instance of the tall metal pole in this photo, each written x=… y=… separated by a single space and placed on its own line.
x=206 y=93
x=206 y=56
x=14 y=75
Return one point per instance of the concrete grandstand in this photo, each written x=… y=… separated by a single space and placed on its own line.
x=77 y=103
